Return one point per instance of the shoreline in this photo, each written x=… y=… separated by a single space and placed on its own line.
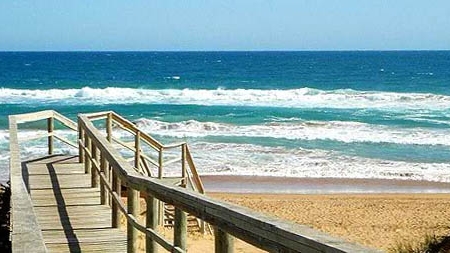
x=289 y=185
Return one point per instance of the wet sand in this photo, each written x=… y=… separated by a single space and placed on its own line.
x=256 y=184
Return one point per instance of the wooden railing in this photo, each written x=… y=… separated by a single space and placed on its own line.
x=110 y=171
x=148 y=157
x=141 y=159
x=229 y=220
x=26 y=234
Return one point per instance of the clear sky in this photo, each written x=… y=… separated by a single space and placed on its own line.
x=224 y=25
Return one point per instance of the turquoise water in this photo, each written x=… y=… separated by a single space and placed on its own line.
x=297 y=114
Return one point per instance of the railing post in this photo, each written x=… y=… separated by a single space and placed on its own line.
x=133 y=209
x=180 y=229
x=94 y=172
x=80 y=142
x=160 y=176
x=50 y=127
x=151 y=222
x=87 y=160
x=183 y=165
x=160 y=163
x=108 y=176
x=223 y=242
x=137 y=153
x=103 y=168
x=109 y=127
x=109 y=138
x=115 y=211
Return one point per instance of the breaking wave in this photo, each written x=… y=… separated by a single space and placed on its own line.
x=295 y=98
x=342 y=131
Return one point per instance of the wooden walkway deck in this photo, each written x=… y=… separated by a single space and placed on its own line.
x=68 y=209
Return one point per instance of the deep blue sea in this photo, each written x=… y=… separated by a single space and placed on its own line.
x=362 y=114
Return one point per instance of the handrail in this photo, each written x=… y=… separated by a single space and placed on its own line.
x=130 y=127
x=26 y=235
x=262 y=231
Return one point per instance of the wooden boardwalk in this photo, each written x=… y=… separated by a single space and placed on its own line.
x=63 y=203
x=68 y=209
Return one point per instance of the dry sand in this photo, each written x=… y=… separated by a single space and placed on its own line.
x=375 y=220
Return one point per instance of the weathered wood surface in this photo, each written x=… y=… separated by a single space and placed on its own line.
x=265 y=232
x=56 y=209
x=26 y=234
x=68 y=209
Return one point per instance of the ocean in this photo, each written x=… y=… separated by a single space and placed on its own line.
x=361 y=114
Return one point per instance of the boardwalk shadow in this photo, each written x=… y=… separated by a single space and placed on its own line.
x=73 y=242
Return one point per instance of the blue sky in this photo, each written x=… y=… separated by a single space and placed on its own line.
x=224 y=25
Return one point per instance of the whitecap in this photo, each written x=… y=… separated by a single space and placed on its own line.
x=294 y=98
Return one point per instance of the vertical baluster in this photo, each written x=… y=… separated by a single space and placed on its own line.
x=183 y=166
x=109 y=127
x=103 y=168
x=160 y=164
x=160 y=176
x=151 y=222
x=50 y=127
x=223 y=242
x=137 y=153
x=180 y=229
x=80 y=142
x=109 y=121
x=115 y=211
x=109 y=181
x=94 y=178
x=133 y=209
x=87 y=160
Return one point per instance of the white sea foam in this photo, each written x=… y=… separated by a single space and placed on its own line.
x=342 y=131
x=297 y=98
x=246 y=159
x=249 y=159
x=33 y=148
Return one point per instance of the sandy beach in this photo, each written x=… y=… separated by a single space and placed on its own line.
x=378 y=220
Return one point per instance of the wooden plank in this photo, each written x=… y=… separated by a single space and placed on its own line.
x=60 y=181
x=60 y=169
x=84 y=235
x=54 y=159
x=26 y=234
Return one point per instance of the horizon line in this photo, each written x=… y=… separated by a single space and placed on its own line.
x=237 y=50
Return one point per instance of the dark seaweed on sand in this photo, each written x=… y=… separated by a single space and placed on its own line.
x=5 y=196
